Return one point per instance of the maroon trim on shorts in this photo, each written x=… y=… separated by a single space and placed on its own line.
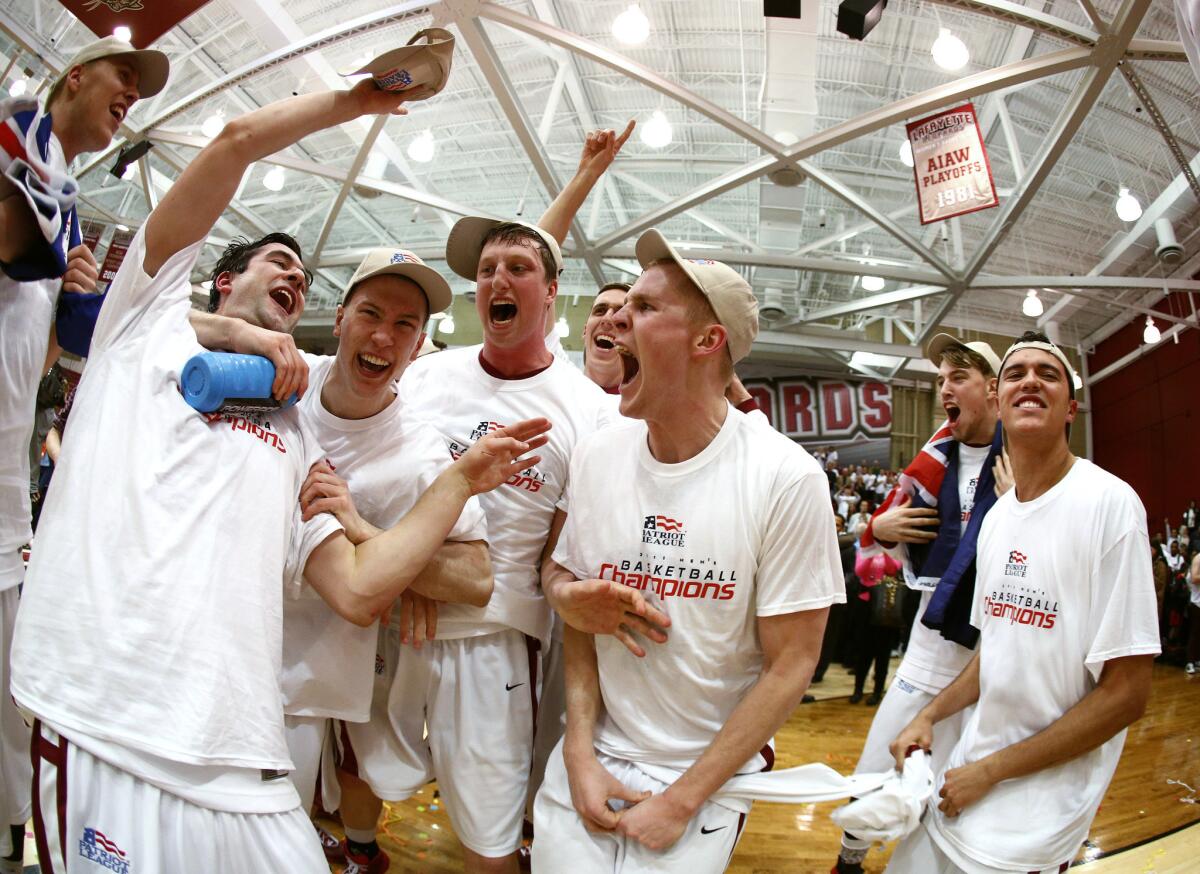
x=736 y=837
x=532 y=647
x=346 y=761
x=56 y=754
x=768 y=755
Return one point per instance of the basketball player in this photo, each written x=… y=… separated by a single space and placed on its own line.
x=148 y=648
x=928 y=540
x=1065 y=605
x=41 y=255
x=723 y=527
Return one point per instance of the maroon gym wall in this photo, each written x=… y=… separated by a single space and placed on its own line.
x=1146 y=417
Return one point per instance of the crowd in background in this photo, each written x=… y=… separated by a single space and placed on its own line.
x=1174 y=550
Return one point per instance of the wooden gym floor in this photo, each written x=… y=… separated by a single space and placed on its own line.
x=1146 y=824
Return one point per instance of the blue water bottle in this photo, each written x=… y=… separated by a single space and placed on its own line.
x=226 y=382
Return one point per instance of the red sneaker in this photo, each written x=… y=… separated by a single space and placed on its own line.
x=334 y=850
x=356 y=864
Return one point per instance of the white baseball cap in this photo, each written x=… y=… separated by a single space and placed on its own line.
x=941 y=342
x=465 y=244
x=401 y=262
x=152 y=65
x=1076 y=382
x=730 y=295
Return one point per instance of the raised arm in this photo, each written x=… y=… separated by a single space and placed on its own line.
x=194 y=203
x=791 y=645
x=599 y=150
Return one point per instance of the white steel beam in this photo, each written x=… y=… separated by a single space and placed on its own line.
x=862 y=304
x=347 y=184
x=1083 y=282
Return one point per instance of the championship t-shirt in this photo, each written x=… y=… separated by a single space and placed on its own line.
x=387 y=462
x=1063 y=584
x=931 y=662
x=152 y=614
x=453 y=392
x=739 y=531
x=26 y=314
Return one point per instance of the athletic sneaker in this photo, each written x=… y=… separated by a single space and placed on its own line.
x=1192 y=667
x=358 y=864
x=335 y=850
x=846 y=868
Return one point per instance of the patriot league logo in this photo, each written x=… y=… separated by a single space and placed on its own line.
x=662 y=531
x=96 y=847
x=1016 y=566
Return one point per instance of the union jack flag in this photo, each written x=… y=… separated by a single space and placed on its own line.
x=50 y=194
x=922 y=478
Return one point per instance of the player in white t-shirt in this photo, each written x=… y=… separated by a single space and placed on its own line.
x=966 y=383
x=1065 y=604
x=148 y=646
x=39 y=256
x=696 y=522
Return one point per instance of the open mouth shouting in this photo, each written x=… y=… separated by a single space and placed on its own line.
x=372 y=365
x=952 y=413
x=502 y=312
x=604 y=342
x=285 y=299
x=630 y=368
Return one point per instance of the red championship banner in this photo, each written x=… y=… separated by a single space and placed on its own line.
x=950 y=165
x=146 y=19
x=115 y=255
x=92 y=232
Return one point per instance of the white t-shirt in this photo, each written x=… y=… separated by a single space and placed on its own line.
x=930 y=661
x=26 y=314
x=153 y=611
x=1063 y=585
x=463 y=402
x=388 y=462
x=739 y=531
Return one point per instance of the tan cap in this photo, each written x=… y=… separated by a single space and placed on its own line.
x=941 y=342
x=465 y=244
x=152 y=66
x=730 y=295
x=400 y=262
x=421 y=69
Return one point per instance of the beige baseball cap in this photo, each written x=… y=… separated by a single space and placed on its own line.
x=465 y=244
x=419 y=68
x=941 y=342
x=152 y=65
x=401 y=262
x=730 y=295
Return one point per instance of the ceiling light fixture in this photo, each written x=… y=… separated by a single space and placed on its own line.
x=18 y=88
x=1127 y=206
x=123 y=33
x=274 y=179
x=949 y=52
x=872 y=283
x=446 y=325
x=906 y=156
x=1151 y=334
x=1032 y=305
x=657 y=133
x=422 y=148
x=631 y=26
x=123 y=228
x=562 y=328
x=212 y=125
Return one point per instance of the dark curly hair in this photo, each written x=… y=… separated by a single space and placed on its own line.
x=236 y=258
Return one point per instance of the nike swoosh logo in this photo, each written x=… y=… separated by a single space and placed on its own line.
x=709 y=831
x=508 y=688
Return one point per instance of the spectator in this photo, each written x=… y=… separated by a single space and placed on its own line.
x=1193 y=646
x=847 y=499
x=877 y=613
x=861 y=518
